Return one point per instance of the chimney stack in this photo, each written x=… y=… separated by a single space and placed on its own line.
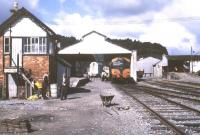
x=15 y=6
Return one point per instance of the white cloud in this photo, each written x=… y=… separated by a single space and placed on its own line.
x=62 y=1
x=33 y=3
x=77 y=25
x=171 y=34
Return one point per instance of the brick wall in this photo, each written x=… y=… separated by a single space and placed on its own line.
x=38 y=64
x=7 y=61
x=1 y=61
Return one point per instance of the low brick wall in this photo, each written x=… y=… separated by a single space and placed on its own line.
x=15 y=126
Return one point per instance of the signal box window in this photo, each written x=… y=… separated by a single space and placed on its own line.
x=6 y=45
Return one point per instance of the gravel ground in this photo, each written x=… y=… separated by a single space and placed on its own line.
x=81 y=114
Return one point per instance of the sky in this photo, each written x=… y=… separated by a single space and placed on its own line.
x=172 y=23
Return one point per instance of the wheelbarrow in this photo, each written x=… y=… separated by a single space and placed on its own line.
x=106 y=99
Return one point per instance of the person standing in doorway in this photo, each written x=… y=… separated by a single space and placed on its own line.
x=64 y=87
x=45 y=85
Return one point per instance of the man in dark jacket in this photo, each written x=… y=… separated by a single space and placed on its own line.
x=45 y=86
x=64 y=87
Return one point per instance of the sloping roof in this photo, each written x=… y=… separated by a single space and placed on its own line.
x=94 y=43
x=93 y=32
x=148 y=59
x=18 y=15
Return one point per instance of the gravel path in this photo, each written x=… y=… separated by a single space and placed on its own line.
x=81 y=114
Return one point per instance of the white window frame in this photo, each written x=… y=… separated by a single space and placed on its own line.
x=37 y=45
x=5 y=52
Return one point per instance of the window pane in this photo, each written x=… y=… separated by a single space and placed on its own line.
x=25 y=49
x=28 y=49
x=36 y=40
x=32 y=48
x=44 y=41
x=29 y=41
x=41 y=51
x=40 y=42
x=44 y=48
x=7 y=45
x=6 y=48
x=35 y=45
x=6 y=40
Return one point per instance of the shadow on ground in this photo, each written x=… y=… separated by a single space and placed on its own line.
x=78 y=90
x=73 y=97
x=111 y=105
x=82 y=82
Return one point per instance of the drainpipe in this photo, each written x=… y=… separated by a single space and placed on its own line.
x=18 y=75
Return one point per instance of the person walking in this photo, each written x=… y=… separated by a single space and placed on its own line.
x=38 y=87
x=64 y=87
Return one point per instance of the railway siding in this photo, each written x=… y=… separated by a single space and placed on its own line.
x=169 y=104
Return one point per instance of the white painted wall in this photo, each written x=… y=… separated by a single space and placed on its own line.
x=26 y=28
x=134 y=65
x=164 y=60
x=146 y=64
x=196 y=66
x=158 y=69
x=16 y=49
x=12 y=86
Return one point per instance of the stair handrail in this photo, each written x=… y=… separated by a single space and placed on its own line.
x=26 y=79
x=23 y=75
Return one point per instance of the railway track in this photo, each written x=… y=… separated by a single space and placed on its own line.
x=180 y=118
x=180 y=94
x=188 y=85
x=189 y=90
x=172 y=92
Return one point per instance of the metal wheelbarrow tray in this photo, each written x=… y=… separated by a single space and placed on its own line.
x=106 y=99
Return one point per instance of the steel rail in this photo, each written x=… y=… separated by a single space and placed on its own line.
x=185 y=84
x=174 y=102
x=189 y=90
x=160 y=117
x=167 y=94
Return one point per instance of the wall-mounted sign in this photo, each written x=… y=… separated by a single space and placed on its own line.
x=10 y=70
